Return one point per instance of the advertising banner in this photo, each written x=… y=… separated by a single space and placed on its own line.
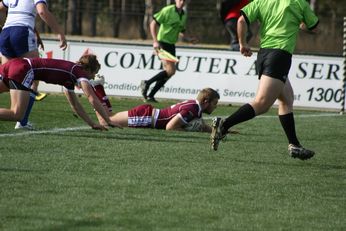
x=316 y=80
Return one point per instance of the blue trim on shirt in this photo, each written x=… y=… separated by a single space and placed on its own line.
x=44 y=2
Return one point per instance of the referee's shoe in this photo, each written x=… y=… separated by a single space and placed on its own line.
x=297 y=151
x=216 y=133
x=40 y=96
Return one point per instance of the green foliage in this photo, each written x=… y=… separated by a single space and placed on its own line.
x=146 y=179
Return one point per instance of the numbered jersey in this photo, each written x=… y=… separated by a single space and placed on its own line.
x=21 y=12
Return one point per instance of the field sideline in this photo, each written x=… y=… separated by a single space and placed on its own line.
x=65 y=176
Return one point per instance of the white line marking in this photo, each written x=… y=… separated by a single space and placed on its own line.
x=59 y=130
x=39 y=132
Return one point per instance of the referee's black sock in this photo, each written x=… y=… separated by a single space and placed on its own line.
x=157 y=77
x=244 y=113
x=287 y=123
x=160 y=83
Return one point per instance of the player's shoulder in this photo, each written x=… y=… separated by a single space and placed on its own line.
x=168 y=9
x=5 y=3
x=190 y=106
x=188 y=103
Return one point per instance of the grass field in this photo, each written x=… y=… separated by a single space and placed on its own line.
x=65 y=176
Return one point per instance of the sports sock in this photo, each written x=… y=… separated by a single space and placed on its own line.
x=244 y=113
x=25 y=119
x=287 y=123
x=159 y=76
x=157 y=87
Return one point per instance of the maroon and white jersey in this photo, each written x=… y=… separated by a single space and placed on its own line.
x=187 y=111
x=53 y=71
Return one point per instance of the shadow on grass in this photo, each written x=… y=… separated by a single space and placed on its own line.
x=68 y=224
x=22 y=170
x=88 y=223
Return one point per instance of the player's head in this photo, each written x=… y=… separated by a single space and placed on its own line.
x=208 y=99
x=90 y=64
x=180 y=3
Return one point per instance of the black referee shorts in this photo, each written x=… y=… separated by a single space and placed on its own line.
x=275 y=63
x=170 y=48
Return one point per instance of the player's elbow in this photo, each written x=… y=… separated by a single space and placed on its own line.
x=42 y=10
x=153 y=25
x=172 y=128
x=169 y=128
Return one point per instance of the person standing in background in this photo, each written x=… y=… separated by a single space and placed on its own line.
x=229 y=14
x=18 y=38
x=171 y=21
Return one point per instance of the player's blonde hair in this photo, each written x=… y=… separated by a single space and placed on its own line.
x=207 y=94
x=89 y=63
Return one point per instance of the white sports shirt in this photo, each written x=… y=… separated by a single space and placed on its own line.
x=21 y=12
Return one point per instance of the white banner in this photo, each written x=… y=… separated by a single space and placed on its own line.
x=316 y=80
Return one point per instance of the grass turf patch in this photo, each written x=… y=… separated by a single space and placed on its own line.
x=146 y=179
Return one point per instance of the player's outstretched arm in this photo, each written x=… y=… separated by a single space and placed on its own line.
x=51 y=21
x=95 y=102
x=77 y=107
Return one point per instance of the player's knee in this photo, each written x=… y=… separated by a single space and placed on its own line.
x=170 y=72
x=260 y=106
x=283 y=106
x=261 y=110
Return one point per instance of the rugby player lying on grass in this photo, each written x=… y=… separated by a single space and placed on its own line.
x=174 y=117
x=206 y=102
x=17 y=76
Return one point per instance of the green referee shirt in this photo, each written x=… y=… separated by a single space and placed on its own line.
x=171 y=24
x=280 y=20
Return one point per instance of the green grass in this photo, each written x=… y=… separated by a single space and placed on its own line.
x=146 y=179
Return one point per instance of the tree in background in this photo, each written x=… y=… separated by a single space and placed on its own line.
x=74 y=17
x=128 y=19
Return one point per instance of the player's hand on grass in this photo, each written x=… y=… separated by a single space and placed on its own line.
x=99 y=127
x=114 y=125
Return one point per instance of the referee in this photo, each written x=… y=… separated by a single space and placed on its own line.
x=280 y=23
